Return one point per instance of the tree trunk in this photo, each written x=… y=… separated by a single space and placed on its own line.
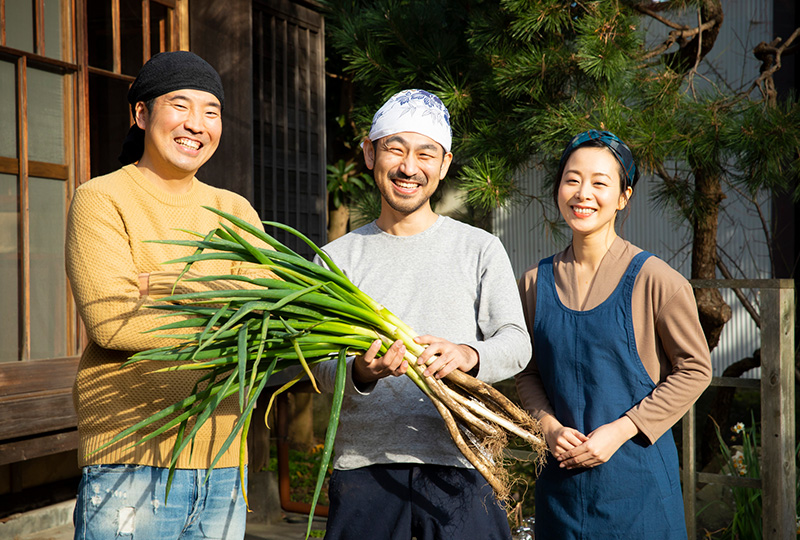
x=301 y=421
x=261 y=484
x=338 y=218
x=695 y=49
x=258 y=439
x=713 y=310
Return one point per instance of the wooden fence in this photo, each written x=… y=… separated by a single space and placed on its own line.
x=777 y=383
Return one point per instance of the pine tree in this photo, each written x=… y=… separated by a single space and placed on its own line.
x=520 y=77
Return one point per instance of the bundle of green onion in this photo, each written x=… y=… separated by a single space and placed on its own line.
x=241 y=337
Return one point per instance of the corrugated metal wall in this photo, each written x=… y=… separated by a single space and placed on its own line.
x=741 y=235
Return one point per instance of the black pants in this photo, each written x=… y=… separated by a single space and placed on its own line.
x=401 y=502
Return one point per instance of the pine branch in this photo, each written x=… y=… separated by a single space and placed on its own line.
x=770 y=56
x=738 y=292
x=650 y=13
x=679 y=35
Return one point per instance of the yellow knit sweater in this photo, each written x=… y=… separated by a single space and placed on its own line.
x=109 y=220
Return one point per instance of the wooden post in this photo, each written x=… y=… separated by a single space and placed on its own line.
x=777 y=411
x=688 y=471
x=778 y=473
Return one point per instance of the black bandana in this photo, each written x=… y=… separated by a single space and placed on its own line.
x=164 y=73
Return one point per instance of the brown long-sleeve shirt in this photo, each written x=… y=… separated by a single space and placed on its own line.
x=669 y=338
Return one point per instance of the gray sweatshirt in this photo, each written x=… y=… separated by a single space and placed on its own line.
x=451 y=281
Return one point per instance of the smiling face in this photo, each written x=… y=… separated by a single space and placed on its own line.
x=182 y=132
x=407 y=168
x=589 y=193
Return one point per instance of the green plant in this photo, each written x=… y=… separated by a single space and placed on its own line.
x=743 y=460
x=303 y=472
x=746 y=522
x=520 y=78
x=240 y=337
x=344 y=184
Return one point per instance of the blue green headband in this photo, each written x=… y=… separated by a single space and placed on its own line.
x=610 y=141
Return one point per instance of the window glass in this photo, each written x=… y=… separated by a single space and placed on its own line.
x=131 y=29
x=45 y=116
x=8 y=111
x=160 y=28
x=19 y=25
x=100 y=38
x=48 y=289
x=52 y=29
x=109 y=118
x=9 y=270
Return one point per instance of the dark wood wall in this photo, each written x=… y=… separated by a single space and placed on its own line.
x=222 y=34
x=270 y=55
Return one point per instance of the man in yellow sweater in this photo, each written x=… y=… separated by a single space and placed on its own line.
x=115 y=275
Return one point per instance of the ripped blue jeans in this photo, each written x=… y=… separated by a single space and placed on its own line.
x=127 y=501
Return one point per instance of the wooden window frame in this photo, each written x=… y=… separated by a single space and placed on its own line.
x=23 y=169
x=36 y=411
x=303 y=31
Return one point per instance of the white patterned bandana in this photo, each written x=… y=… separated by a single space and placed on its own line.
x=413 y=110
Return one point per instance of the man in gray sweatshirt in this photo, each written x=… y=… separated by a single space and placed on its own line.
x=397 y=473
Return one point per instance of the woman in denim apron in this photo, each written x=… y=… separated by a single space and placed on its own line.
x=613 y=472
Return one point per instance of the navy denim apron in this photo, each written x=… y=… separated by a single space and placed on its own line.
x=593 y=375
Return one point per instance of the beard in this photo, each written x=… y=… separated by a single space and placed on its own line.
x=403 y=204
